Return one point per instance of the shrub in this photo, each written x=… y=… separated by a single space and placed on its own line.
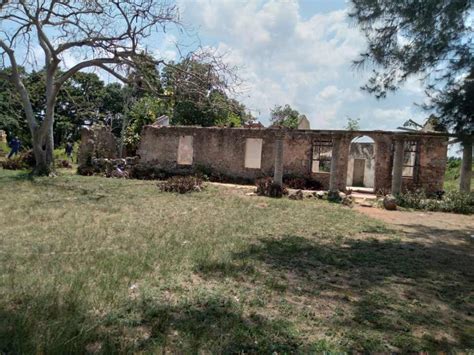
x=181 y=184
x=13 y=164
x=63 y=163
x=22 y=161
x=302 y=183
x=266 y=187
x=451 y=201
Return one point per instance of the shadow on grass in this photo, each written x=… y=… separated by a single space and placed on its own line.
x=209 y=325
x=386 y=286
x=449 y=238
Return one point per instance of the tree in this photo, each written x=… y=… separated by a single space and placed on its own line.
x=106 y=33
x=285 y=116
x=11 y=116
x=198 y=94
x=352 y=124
x=432 y=39
x=144 y=112
x=455 y=105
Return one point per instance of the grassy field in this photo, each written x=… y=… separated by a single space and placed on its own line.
x=97 y=265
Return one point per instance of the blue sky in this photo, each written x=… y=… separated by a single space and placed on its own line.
x=298 y=53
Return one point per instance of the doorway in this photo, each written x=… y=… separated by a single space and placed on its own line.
x=361 y=164
x=358 y=174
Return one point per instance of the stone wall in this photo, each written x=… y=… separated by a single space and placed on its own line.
x=96 y=142
x=222 y=151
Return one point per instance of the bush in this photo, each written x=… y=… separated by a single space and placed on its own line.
x=64 y=164
x=266 y=187
x=13 y=164
x=181 y=184
x=22 y=161
x=302 y=183
x=451 y=201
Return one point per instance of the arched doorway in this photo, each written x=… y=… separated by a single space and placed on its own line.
x=361 y=164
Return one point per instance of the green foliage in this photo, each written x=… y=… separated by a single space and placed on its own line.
x=451 y=201
x=12 y=119
x=285 y=116
x=190 y=93
x=453 y=173
x=352 y=124
x=455 y=105
x=430 y=39
x=410 y=38
x=198 y=96
x=181 y=184
x=144 y=112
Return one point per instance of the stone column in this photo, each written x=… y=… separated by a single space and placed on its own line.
x=466 y=166
x=333 y=178
x=278 y=173
x=397 y=166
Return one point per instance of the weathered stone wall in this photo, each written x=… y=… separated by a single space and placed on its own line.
x=222 y=151
x=96 y=142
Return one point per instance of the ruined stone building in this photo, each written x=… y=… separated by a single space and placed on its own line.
x=392 y=161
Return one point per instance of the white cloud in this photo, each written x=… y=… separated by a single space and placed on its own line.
x=305 y=62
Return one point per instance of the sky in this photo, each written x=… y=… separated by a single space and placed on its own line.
x=298 y=53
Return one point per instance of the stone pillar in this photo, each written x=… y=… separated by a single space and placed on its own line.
x=278 y=173
x=466 y=166
x=397 y=166
x=333 y=178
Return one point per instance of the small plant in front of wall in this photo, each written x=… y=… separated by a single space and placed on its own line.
x=267 y=187
x=181 y=184
x=450 y=201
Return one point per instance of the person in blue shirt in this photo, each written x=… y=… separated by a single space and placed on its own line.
x=69 y=149
x=15 y=145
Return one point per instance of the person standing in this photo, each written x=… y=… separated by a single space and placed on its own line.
x=15 y=145
x=69 y=149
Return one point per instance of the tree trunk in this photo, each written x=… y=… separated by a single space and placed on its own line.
x=43 y=148
x=466 y=166
x=43 y=142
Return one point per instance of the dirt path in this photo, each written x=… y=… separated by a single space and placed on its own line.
x=432 y=227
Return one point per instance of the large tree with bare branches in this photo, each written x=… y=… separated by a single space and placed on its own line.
x=105 y=34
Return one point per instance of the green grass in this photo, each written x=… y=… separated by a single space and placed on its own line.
x=453 y=172
x=90 y=264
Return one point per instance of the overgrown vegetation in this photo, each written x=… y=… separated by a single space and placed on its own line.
x=89 y=264
x=267 y=187
x=453 y=173
x=181 y=184
x=451 y=201
x=21 y=161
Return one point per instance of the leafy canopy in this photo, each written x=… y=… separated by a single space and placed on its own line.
x=285 y=116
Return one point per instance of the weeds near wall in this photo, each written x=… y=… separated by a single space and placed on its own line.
x=451 y=201
x=181 y=184
x=302 y=183
x=266 y=187
x=23 y=161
